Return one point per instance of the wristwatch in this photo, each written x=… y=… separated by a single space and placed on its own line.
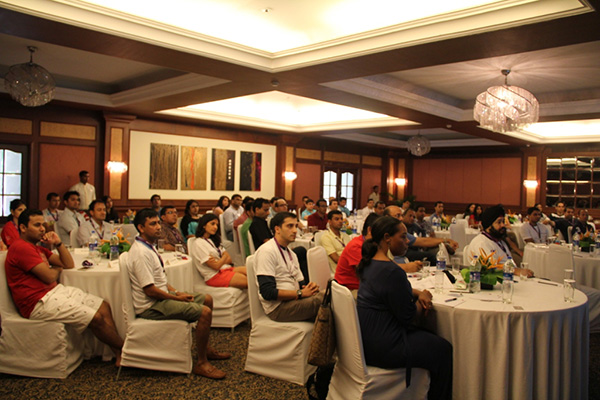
x=299 y=294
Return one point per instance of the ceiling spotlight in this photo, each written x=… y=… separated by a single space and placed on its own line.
x=506 y=108
x=30 y=84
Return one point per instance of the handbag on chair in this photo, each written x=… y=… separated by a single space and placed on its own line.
x=322 y=343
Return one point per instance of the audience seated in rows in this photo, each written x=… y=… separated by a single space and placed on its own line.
x=154 y=298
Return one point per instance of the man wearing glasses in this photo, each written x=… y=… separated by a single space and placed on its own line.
x=169 y=231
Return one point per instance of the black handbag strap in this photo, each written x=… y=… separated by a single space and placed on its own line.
x=327 y=297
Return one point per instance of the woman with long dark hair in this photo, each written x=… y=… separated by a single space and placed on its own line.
x=189 y=222
x=387 y=305
x=221 y=206
x=112 y=215
x=212 y=260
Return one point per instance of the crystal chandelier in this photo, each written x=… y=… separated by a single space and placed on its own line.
x=506 y=108
x=30 y=84
x=418 y=145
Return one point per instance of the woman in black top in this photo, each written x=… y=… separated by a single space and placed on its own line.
x=111 y=214
x=386 y=306
x=189 y=222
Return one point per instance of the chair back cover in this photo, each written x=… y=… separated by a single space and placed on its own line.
x=256 y=310
x=560 y=258
x=241 y=243
x=318 y=237
x=318 y=266
x=467 y=256
x=251 y=244
x=128 y=309
x=7 y=306
x=73 y=236
x=222 y=230
x=458 y=233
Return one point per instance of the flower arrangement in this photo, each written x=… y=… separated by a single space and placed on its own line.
x=511 y=218
x=445 y=222
x=124 y=244
x=491 y=268
x=586 y=239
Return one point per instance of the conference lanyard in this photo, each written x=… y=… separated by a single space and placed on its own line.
x=55 y=218
x=498 y=242
x=98 y=230
x=151 y=247
x=289 y=254
x=215 y=247
x=537 y=230
x=338 y=239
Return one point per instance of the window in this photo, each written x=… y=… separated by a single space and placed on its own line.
x=574 y=181
x=340 y=182
x=11 y=178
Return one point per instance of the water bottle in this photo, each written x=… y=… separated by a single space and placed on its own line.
x=475 y=277
x=507 y=281
x=114 y=247
x=93 y=243
x=576 y=242
x=441 y=267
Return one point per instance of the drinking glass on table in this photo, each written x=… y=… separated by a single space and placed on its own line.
x=523 y=276
x=161 y=246
x=179 y=251
x=425 y=270
x=455 y=266
x=569 y=286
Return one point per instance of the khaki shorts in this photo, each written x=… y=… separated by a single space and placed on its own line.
x=174 y=309
x=69 y=305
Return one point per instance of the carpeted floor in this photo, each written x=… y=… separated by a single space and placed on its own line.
x=95 y=379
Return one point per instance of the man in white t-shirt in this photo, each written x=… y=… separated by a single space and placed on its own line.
x=364 y=212
x=87 y=192
x=282 y=293
x=154 y=298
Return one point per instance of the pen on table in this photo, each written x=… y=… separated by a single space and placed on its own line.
x=452 y=299
x=548 y=283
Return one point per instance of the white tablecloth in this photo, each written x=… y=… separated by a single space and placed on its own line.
x=103 y=281
x=540 y=352
x=587 y=268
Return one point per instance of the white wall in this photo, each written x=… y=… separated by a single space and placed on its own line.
x=139 y=166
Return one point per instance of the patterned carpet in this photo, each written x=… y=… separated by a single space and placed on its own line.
x=95 y=379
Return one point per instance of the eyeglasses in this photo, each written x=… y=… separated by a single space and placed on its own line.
x=171 y=212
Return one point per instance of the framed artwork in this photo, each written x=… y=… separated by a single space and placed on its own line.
x=194 y=162
x=163 y=166
x=223 y=169
x=250 y=170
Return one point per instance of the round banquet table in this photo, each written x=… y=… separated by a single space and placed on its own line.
x=504 y=352
x=587 y=268
x=104 y=281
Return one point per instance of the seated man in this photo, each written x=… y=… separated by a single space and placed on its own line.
x=379 y=208
x=342 y=206
x=334 y=240
x=560 y=211
x=52 y=213
x=364 y=212
x=309 y=210
x=243 y=232
x=319 y=219
x=438 y=215
x=562 y=224
x=282 y=294
x=96 y=223
x=154 y=298
x=533 y=231
x=32 y=274
x=169 y=231
x=259 y=229
x=70 y=218
x=493 y=237
x=233 y=212
x=333 y=204
x=582 y=224
x=423 y=222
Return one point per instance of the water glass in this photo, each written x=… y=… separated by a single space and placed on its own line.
x=425 y=269
x=569 y=290
x=96 y=257
x=161 y=246
x=569 y=274
x=592 y=249
x=179 y=251
x=455 y=266
x=524 y=276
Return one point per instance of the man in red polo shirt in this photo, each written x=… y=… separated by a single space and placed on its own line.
x=319 y=219
x=32 y=274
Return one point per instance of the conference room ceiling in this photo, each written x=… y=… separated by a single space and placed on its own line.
x=367 y=72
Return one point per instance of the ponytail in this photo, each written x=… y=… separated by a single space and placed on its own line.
x=369 y=249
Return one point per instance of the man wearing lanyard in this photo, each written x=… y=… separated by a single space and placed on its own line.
x=169 y=231
x=70 y=218
x=492 y=239
x=334 y=240
x=154 y=298
x=534 y=231
x=283 y=294
x=96 y=223
x=51 y=213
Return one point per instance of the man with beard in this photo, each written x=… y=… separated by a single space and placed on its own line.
x=493 y=237
x=562 y=224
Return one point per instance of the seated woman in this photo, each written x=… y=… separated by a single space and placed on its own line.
x=221 y=206
x=387 y=305
x=470 y=210
x=189 y=222
x=212 y=260
x=112 y=215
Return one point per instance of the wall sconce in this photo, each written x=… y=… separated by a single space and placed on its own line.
x=290 y=175
x=530 y=184
x=116 y=167
x=400 y=181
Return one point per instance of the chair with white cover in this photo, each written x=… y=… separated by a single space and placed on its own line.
x=157 y=345
x=250 y=245
x=459 y=235
x=318 y=266
x=276 y=349
x=39 y=349
x=232 y=248
x=73 y=236
x=241 y=243
x=318 y=235
x=570 y=234
x=559 y=259
x=352 y=378
x=230 y=305
x=467 y=257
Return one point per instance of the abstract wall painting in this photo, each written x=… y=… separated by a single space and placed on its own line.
x=223 y=169
x=194 y=162
x=163 y=166
x=250 y=170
